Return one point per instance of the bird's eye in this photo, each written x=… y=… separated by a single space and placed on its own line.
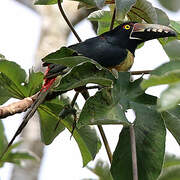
x=127 y=27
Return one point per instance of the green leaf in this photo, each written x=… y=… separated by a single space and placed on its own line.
x=171 y=169
x=100 y=16
x=86 y=137
x=45 y=2
x=143 y=10
x=3 y=139
x=102 y=108
x=12 y=77
x=48 y=113
x=172 y=121
x=102 y=170
x=104 y=20
x=167 y=73
x=123 y=7
x=87 y=3
x=175 y=25
x=162 y=17
x=108 y=105
x=171 y=5
x=57 y=55
x=34 y=83
x=172 y=49
x=150 y=145
x=171 y=42
x=4 y=95
x=169 y=98
x=18 y=157
x=171 y=160
x=83 y=74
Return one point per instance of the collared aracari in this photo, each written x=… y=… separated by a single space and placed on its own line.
x=112 y=49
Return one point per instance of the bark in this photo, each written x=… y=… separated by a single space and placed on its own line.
x=54 y=34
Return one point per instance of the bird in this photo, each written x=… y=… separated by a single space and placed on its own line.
x=114 y=49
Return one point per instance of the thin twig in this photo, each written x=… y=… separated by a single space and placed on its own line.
x=93 y=87
x=113 y=19
x=74 y=99
x=133 y=151
x=140 y=72
x=106 y=144
x=67 y=21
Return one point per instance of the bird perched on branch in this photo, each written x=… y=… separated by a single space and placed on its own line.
x=114 y=50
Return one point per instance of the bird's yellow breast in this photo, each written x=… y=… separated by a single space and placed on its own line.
x=126 y=64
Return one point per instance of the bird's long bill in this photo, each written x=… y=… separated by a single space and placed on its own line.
x=147 y=32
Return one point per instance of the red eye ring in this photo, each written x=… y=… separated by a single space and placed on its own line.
x=127 y=26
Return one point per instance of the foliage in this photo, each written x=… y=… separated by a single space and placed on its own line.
x=110 y=103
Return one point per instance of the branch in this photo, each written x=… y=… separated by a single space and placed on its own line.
x=140 y=72
x=68 y=22
x=133 y=151
x=17 y=107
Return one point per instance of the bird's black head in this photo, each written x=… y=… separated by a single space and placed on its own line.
x=130 y=34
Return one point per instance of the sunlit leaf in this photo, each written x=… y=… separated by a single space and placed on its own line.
x=169 y=98
x=83 y=74
x=167 y=73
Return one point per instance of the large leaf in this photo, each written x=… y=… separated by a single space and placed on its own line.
x=102 y=108
x=12 y=77
x=84 y=74
x=172 y=121
x=169 y=98
x=168 y=73
x=123 y=7
x=48 y=120
x=86 y=137
x=143 y=10
x=108 y=105
x=150 y=144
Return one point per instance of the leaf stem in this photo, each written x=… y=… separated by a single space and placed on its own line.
x=140 y=72
x=67 y=21
x=133 y=151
